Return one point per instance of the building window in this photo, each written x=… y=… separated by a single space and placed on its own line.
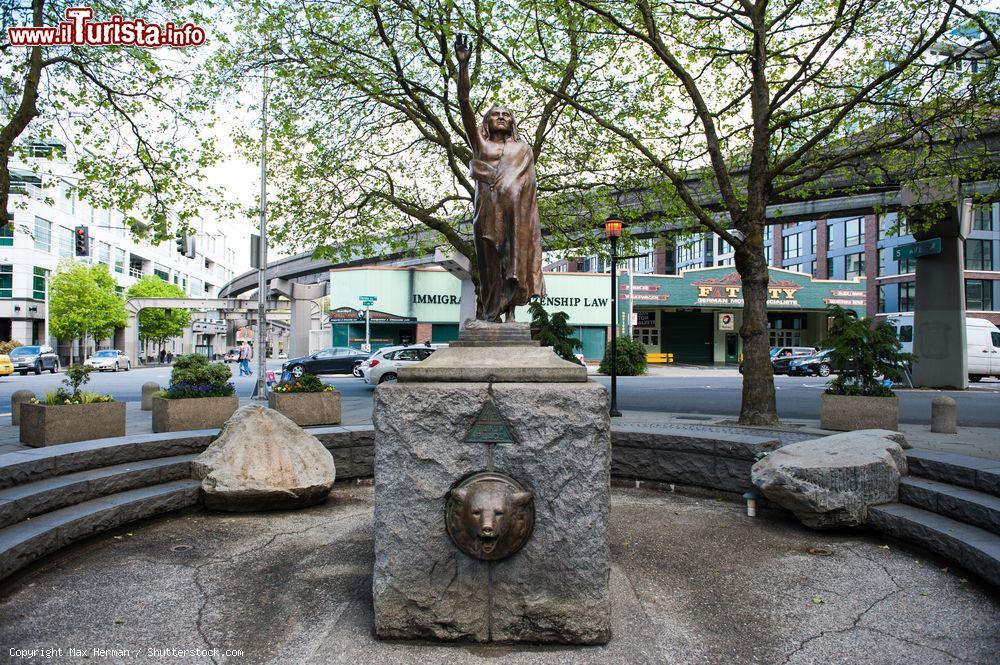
x=812 y=240
x=104 y=253
x=795 y=268
x=854 y=265
x=883 y=257
x=982 y=218
x=893 y=226
x=907 y=266
x=854 y=232
x=768 y=232
x=7 y=232
x=767 y=254
x=66 y=243
x=43 y=234
x=38 y=283
x=812 y=269
x=162 y=272
x=978 y=254
x=648 y=336
x=979 y=295
x=119 y=260
x=792 y=247
x=881 y=298
x=907 y=295
x=6 y=281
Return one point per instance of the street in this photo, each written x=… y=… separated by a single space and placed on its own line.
x=673 y=390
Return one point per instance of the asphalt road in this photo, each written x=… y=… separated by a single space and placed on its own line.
x=715 y=392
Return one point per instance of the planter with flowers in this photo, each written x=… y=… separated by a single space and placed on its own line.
x=200 y=396
x=306 y=401
x=861 y=396
x=71 y=414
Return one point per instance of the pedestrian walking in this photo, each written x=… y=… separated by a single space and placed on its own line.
x=163 y=354
x=246 y=353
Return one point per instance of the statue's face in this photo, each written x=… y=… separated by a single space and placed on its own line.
x=500 y=121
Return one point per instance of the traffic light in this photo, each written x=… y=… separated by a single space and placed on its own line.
x=81 y=241
x=185 y=245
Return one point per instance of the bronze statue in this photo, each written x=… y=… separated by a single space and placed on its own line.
x=508 y=235
x=490 y=516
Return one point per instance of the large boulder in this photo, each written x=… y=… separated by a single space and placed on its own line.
x=831 y=482
x=264 y=461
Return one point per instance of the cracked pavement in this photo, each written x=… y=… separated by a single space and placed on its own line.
x=693 y=581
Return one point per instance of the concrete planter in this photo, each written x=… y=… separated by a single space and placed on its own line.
x=175 y=415
x=849 y=412
x=307 y=409
x=48 y=425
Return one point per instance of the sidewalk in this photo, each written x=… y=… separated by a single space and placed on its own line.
x=973 y=441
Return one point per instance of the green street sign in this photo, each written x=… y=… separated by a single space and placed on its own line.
x=915 y=250
x=367 y=301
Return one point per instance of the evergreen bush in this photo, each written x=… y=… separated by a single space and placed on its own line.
x=194 y=376
x=631 y=357
x=554 y=331
x=869 y=352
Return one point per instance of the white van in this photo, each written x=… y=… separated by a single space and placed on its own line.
x=982 y=340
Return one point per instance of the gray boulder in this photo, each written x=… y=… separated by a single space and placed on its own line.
x=832 y=481
x=263 y=461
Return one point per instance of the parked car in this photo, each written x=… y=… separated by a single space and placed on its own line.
x=231 y=356
x=112 y=359
x=6 y=368
x=982 y=339
x=818 y=364
x=378 y=355
x=34 y=359
x=386 y=368
x=338 y=360
x=782 y=356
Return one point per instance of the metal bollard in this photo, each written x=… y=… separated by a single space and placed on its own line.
x=16 y=399
x=944 y=415
x=149 y=389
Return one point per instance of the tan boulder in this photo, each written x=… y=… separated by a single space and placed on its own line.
x=263 y=461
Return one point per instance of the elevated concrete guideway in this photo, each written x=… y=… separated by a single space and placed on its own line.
x=135 y=305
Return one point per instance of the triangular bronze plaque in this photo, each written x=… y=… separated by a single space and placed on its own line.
x=490 y=427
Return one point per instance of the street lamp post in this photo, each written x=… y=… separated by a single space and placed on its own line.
x=260 y=387
x=613 y=231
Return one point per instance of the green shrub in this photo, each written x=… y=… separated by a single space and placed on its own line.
x=631 y=357
x=76 y=376
x=307 y=383
x=194 y=376
x=195 y=369
x=61 y=396
x=867 y=351
x=554 y=331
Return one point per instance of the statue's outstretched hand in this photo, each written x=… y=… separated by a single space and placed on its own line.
x=462 y=49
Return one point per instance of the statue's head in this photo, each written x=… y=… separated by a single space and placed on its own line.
x=499 y=122
x=490 y=518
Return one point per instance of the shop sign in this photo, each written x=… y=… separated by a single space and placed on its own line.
x=574 y=302
x=645 y=319
x=727 y=321
x=435 y=299
x=846 y=298
x=644 y=292
x=728 y=290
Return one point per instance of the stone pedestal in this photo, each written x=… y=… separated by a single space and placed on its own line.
x=553 y=439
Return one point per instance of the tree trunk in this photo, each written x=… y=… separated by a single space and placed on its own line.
x=758 y=406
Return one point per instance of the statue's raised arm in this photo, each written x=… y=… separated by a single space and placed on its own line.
x=463 y=53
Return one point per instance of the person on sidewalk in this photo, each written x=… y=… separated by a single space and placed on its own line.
x=163 y=354
x=244 y=359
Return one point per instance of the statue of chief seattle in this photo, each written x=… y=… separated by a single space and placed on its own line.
x=507 y=232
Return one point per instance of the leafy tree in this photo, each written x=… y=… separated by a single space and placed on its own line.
x=367 y=144
x=134 y=108
x=554 y=331
x=868 y=350
x=718 y=113
x=156 y=324
x=83 y=302
x=631 y=357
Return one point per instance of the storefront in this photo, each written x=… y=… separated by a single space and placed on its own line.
x=695 y=315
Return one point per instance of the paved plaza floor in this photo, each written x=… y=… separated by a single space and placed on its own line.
x=693 y=580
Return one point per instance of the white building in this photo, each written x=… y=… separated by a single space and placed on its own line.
x=39 y=233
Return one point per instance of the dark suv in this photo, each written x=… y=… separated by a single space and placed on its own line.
x=782 y=357
x=34 y=359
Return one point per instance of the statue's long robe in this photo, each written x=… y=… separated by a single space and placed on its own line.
x=507 y=231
